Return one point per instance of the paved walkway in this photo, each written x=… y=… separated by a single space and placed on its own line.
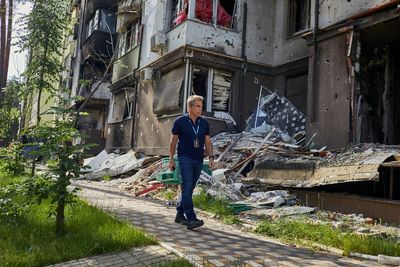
x=147 y=256
x=214 y=244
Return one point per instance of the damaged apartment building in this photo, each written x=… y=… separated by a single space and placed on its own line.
x=335 y=61
x=87 y=55
x=222 y=50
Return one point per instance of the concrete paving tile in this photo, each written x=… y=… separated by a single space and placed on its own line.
x=220 y=242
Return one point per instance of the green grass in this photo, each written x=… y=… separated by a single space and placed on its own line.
x=30 y=240
x=218 y=206
x=298 y=230
x=176 y=263
x=6 y=179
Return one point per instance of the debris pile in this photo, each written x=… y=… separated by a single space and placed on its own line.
x=273 y=152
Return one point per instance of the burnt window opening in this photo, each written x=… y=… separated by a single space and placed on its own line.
x=296 y=91
x=93 y=70
x=224 y=16
x=129 y=38
x=128 y=110
x=101 y=20
x=214 y=85
x=200 y=82
x=299 y=16
x=379 y=114
x=122 y=104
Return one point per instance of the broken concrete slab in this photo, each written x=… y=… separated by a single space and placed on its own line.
x=116 y=165
x=280 y=212
x=95 y=162
x=351 y=165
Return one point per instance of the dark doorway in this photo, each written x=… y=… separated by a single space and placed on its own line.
x=379 y=114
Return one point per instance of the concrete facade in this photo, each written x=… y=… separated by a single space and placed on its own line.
x=315 y=59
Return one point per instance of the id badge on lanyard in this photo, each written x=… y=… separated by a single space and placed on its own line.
x=196 y=142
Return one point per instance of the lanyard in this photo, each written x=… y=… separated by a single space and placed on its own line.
x=196 y=132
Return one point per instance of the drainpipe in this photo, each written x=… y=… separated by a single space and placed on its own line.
x=244 y=32
x=244 y=57
x=315 y=61
x=136 y=89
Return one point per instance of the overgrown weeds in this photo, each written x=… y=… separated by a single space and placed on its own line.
x=216 y=205
x=301 y=229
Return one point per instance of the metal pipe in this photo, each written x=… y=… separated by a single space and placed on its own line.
x=315 y=61
x=186 y=89
x=244 y=31
x=136 y=90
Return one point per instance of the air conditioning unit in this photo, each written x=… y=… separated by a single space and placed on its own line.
x=146 y=75
x=157 y=42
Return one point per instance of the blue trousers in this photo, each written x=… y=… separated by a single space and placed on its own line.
x=190 y=171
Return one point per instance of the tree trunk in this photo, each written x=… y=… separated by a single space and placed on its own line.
x=41 y=80
x=60 y=219
x=2 y=41
x=8 y=41
x=38 y=106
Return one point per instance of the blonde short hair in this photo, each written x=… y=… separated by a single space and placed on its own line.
x=193 y=98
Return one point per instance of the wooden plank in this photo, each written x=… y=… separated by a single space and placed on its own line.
x=254 y=153
x=229 y=148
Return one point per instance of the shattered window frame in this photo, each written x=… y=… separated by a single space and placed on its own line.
x=129 y=38
x=101 y=20
x=299 y=18
x=177 y=8
x=207 y=11
x=216 y=102
x=122 y=104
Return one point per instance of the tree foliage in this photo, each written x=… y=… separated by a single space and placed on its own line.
x=63 y=159
x=53 y=140
x=9 y=111
x=44 y=39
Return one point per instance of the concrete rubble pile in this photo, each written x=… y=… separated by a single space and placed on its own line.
x=273 y=151
x=237 y=154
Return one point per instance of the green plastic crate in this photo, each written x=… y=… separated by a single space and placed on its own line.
x=239 y=207
x=175 y=177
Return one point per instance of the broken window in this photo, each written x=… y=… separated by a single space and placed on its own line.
x=204 y=11
x=122 y=105
x=129 y=38
x=102 y=20
x=296 y=91
x=200 y=82
x=168 y=94
x=179 y=9
x=299 y=15
x=226 y=10
x=214 y=85
x=221 y=90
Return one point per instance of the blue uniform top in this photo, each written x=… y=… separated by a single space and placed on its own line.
x=186 y=131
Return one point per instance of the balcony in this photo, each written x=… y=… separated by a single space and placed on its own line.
x=100 y=34
x=102 y=92
x=93 y=5
x=203 y=35
x=128 y=11
x=126 y=65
